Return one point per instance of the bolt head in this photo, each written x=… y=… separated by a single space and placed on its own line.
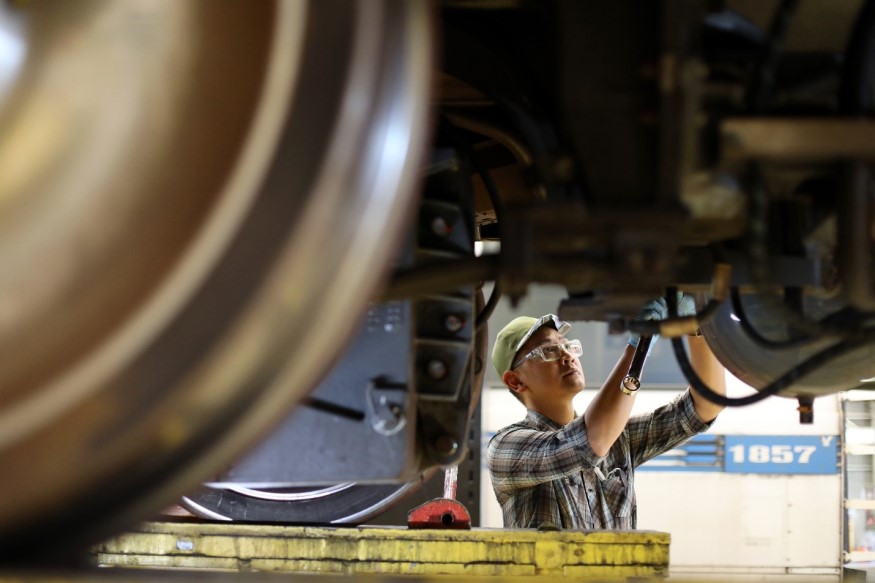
x=436 y=369
x=453 y=322
x=440 y=227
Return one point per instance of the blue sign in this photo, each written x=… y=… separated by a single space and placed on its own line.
x=781 y=454
x=751 y=454
x=701 y=453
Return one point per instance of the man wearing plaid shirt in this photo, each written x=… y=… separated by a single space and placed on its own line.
x=556 y=469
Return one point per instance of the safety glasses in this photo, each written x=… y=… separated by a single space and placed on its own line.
x=552 y=352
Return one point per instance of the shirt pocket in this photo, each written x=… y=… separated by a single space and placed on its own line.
x=617 y=492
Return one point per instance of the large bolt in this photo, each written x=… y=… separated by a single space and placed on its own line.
x=436 y=369
x=440 y=227
x=453 y=322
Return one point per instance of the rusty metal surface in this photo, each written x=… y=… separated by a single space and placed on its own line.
x=798 y=139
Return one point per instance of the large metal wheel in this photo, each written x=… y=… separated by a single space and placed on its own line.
x=197 y=199
x=347 y=504
x=758 y=365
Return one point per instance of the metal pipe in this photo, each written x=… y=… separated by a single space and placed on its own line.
x=506 y=139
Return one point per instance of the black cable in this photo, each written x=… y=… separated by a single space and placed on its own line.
x=755 y=336
x=764 y=76
x=856 y=96
x=788 y=378
x=708 y=311
x=487 y=310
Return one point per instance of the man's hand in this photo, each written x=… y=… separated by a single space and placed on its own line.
x=658 y=310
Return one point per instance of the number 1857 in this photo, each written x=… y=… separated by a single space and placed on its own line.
x=774 y=454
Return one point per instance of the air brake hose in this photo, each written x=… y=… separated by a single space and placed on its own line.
x=788 y=378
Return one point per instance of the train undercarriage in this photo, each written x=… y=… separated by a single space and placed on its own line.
x=212 y=208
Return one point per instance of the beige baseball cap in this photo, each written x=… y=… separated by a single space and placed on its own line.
x=512 y=337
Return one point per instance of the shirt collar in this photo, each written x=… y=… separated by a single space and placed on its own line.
x=541 y=421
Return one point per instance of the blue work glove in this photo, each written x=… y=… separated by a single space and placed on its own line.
x=658 y=310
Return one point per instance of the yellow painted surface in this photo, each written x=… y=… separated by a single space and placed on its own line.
x=384 y=550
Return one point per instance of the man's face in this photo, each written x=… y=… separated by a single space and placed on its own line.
x=549 y=380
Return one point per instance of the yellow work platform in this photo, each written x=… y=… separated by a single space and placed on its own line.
x=390 y=550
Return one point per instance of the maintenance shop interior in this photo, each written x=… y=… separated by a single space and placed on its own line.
x=412 y=289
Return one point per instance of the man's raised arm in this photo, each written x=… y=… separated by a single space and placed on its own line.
x=712 y=374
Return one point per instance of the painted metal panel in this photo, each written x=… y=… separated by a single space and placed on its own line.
x=781 y=454
x=702 y=453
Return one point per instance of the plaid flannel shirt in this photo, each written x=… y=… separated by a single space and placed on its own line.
x=547 y=475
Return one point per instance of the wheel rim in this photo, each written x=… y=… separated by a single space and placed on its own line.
x=343 y=504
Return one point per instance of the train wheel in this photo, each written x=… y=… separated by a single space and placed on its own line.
x=197 y=200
